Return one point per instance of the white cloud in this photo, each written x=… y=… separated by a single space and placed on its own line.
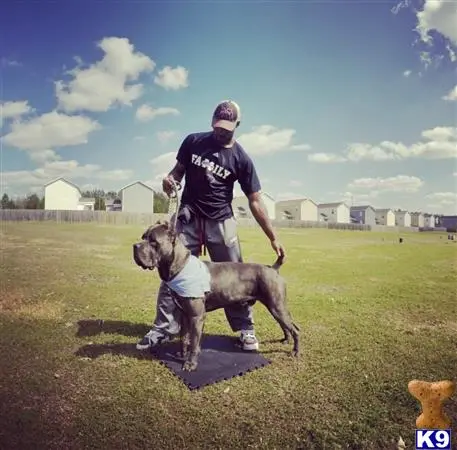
x=39 y=135
x=440 y=143
x=435 y=26
x=289 y=196
x=407 y=73
x=445 y=202
x=451 y=96
x=165 y=136
x=172 y=79
x=359 y=151
x=445 y=198
x=146 y=113
x=267 y=139
x=33 y=180
x=15 y=109
x=325 y=158
x=6 y=62
x=106 y=82
x=440 y=134
x=439 y=16
x=358 y=198
x=399 y=183
x=295 y=183
x=454 y=174
x=301 y=147
x=161 y=166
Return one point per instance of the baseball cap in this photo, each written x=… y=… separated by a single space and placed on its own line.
x=226 y=115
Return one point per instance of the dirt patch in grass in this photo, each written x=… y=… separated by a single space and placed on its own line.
x=11 y=299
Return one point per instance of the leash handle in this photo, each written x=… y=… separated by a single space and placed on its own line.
x=176 y=188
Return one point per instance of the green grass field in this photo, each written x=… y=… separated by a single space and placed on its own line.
x=374 y=315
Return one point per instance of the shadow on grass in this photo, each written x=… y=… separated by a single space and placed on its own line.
x=209 y=342
x=93 y=327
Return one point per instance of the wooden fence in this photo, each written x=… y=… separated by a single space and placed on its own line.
x=145 y=219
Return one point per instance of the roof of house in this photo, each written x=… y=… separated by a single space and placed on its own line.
x=416 y=213
x=295 y=200
x=383 y=210
x=361 y=208
x=428 y=215
x=331 y=205
x=268 y=195
x=401 y=211
x=65 y=181
x=138 y=182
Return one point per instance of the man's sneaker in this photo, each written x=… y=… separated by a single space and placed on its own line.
x=248 y=340
x=151 y=339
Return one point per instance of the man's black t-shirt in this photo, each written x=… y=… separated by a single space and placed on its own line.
x=211 y=172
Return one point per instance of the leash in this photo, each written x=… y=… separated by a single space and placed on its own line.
x=174 y=209
x=174 y=199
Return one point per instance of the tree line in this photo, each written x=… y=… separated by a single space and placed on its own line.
x=34 y=201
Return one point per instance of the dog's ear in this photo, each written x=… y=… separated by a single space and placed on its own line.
x=163 y=222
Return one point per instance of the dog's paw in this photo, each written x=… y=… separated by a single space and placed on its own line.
x=284 y=340
x=295 y=354
x=189 y=366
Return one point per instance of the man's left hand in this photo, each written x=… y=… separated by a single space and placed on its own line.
x=278 y=248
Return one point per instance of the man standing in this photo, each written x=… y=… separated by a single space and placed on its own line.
x=212 y=162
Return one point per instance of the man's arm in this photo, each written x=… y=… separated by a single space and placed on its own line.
x=258 y=211
x=177 y=172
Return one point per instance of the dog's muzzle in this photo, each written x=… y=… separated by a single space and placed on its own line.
x=137 y=259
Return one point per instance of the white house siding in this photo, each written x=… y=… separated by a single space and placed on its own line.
x=429 y=221
x=417 y=220
x=309 y=211
x=402 y=218
x=240 y=206
x=385 y=217
x=137 y=198
x=335 y=213
x=300 y=209
x=61 y=195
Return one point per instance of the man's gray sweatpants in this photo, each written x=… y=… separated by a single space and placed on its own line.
x=222 y=243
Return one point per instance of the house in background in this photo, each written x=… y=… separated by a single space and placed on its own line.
x=365 y=215
x=298 y=209
x=448 y=222
x=241 y=210
x=63 y=195
x=385 y=217
x=429 y=221
x=113 y=204
x=137 y=197
x=337 y=212
x=417 y=219
x=85 y=204
x=402 y=218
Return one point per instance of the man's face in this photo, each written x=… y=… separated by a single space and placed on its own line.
x=222 y=136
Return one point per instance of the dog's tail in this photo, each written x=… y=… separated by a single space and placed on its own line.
x=278 y=263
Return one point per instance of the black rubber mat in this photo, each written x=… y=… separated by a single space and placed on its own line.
x=221 y=359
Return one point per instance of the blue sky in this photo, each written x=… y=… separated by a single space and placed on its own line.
x=351 y=101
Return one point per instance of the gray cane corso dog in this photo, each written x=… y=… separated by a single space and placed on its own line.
x=230 y=282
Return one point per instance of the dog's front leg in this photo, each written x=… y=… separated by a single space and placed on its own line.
x=196 y=320
x=185 y=336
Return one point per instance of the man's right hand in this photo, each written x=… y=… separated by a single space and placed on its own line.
x=167 y=185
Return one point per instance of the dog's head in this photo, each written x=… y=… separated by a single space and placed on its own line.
x=156 y=244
